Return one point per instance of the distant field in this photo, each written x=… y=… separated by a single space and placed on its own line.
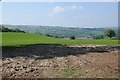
x=17 y=39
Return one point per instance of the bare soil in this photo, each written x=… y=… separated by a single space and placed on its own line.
x=60 y=62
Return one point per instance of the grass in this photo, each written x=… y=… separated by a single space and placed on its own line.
x=17 y=39
x=70 y=72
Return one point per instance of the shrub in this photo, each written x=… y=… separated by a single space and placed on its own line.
x=56 y=37
x=72 y=37
x=49 y=35
x=98 y=37
x=115 y=38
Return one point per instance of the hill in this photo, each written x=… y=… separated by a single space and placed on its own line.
x=60 y=31
x=5 y=29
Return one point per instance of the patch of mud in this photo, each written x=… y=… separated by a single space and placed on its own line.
x=51 y=51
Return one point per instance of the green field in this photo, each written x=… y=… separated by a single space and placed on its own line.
x=17 y=39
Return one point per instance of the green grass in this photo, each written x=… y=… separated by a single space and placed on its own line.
x=17 y=39
x=69 y=72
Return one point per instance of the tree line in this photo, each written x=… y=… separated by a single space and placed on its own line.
x=108 y=33
x=5 y=29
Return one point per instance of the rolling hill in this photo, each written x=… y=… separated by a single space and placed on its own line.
x=60 y=31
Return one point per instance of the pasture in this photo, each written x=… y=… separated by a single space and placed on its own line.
x=18 y=39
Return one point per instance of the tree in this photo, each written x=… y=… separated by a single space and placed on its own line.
x=17 y=30
x=72 y=37
x=5 y=29
x=98 y=37
x=49 y=35
x=110 y=33
x=56 y=36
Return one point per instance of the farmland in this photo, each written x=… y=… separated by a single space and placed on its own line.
x=17 y=39
x=28 y=55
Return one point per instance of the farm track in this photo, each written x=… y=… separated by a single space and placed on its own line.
x=58 y=61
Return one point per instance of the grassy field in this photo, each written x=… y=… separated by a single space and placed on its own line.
x=17 y=39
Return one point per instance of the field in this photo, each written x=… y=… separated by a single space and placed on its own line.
x=18 y=39
x=57 y=58
x=60 y=61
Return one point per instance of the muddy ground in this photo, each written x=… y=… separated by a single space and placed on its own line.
x=60 y=61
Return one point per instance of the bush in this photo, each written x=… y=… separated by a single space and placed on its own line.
x=98 y=37
x=49 y=35
x=115 y=38
x=56 y=37
x=72 y=37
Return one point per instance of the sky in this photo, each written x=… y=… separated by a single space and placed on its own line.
x=68 y=14
x=60 y=0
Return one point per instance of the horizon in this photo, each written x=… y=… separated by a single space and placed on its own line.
x=52 y=26
x=65 y=14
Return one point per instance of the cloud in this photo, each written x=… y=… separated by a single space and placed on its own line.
x=84 y=17
x=59 y=9
x=51 y=0
x=74 y=8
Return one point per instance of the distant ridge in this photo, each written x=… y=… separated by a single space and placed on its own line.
x=61 y=31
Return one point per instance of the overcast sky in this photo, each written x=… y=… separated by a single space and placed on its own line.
x=78 y=14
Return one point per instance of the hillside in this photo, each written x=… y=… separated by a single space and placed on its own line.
x=14 y=38
x=60 y=31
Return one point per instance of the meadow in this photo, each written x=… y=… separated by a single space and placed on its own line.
x=18 y=39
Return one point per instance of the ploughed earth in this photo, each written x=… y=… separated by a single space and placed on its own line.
x=60 y=61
